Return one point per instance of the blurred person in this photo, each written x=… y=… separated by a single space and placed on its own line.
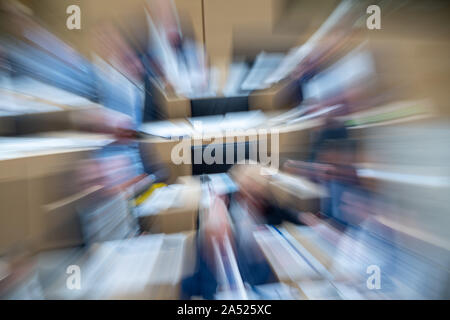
x=122 y=169
x=254 y=267
x=364 y=243
x=118 y=74
x=360 y=233
x=332 y=159
x=33 y=51
x=214 y=230
x=173 y=58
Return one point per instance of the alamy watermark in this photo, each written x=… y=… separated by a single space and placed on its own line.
x=374 y=280
x=73 y=281
x=73 y=21
x=374 y=20
x=234 y=147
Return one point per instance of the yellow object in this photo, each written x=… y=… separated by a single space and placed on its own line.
x=144 y=196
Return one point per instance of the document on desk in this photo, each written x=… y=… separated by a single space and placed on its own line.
x=243 y=120
x=122 y=266
x=167 y=129
x=315 y=114
x=319 y=290
x=286 y=262
x=221 y=183
x=11 y=105
x=162 y=199
x=36 y=89
x=238 y=71
x=228 y=122
x=300 y=186
x=16 y=147
x=207 y=124
x=264 y=65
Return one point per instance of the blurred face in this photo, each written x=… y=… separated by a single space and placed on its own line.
x=111 y=46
